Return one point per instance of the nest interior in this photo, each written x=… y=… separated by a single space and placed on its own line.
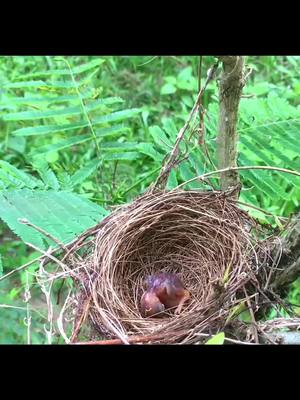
x=202 y=236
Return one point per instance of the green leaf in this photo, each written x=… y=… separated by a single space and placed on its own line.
x=115 y=146
x=27 y=100
x=49 y=210
x=172 y=180
x=148 y=149
x=117 y=116
x=170 y=79
x=46 y=129
x=49 y=178
x=128 y=156
x=18 y=176
x=170 y=127
x=226 y=274
x=72 y=141
x=1 y=266
x=160 y=138
x=168 y=88
x=76 y=70
x=17 y=144
x=262 y=180
x=39 y=84
x=186 y=173
x=83 y=173
x=62 y=144
x=217 y=339
x=64 y=111
x=87 y=66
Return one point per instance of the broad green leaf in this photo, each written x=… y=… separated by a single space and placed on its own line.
x=168 y=88
x=217 y=339
x=170 y=127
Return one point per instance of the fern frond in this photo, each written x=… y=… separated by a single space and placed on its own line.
x=18 y=177
x=76 y=70
x=83 y=173
x=63 y=214
x=65 y=111
x=47 y=129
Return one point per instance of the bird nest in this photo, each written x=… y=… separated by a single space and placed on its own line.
x=203 y=237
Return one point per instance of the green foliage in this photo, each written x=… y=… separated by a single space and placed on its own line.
x=81 y=134
x=268 y=130
x=219 y=338
x=48 y=210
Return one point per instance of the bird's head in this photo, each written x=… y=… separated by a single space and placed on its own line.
x=151 y=305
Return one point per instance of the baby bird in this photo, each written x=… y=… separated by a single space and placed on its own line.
x=163 y=291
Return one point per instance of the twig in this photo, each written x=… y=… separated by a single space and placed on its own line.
x=114 y=176
x=46 y=289
x=201 y=133
x=130 y=339
x=254 y=324
x=60 y=324
x=27 y=297
x=175 y=152
x=226 y=339
x=48 y=255
x=258 y=209
x=24 y=266
x=81 y=319
x=70 y=246
x=264 y=167
x=47 y=234
x=83 y=106
x=275 y=263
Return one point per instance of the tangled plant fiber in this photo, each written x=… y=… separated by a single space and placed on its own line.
x=202 y=236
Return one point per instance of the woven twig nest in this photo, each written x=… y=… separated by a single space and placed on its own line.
x=201 y=236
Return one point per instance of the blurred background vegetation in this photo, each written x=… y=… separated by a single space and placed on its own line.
x=100 y=127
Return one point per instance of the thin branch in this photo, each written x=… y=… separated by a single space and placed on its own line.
x=130 y=339
x=254 y=324
x=264 y=167
x=45 y=233
x=82 y=105
x=48 y=255
x=165 y=171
